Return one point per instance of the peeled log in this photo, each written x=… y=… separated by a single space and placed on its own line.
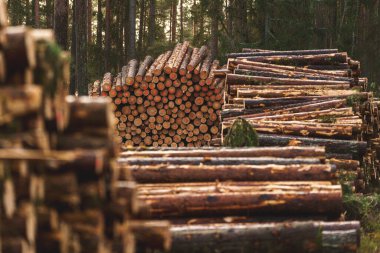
x=184 y=200
x=204 y=173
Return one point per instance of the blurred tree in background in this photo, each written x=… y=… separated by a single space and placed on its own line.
x=118 y=30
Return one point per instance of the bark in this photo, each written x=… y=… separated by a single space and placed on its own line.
x=141 y=25
x=132 y=71
x=356 y=148
x=89 y=22
x=174 y=21
x=161 y=64
x=107 y=35
x=99 y=26
x=185 y=62
x=152 y=234
x=203 y=199
x=180 y=57
x=268 y=93
x=61 y=16
x=205 y=173
x=290 y=236
x=37 y=13
x=197 y=57
x=144 y=66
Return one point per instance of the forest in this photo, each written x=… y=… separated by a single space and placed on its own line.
x=103 y=35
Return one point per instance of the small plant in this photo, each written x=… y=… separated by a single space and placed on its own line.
x=241 y=134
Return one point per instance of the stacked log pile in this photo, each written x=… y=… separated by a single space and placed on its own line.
x=172 y=101
x=57 y=192
x=306 y=97
x=269 y=199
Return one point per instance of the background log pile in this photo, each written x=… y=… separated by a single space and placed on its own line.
x=57 y=187
x=267 y=199
x=306 y=97
x=172 y=101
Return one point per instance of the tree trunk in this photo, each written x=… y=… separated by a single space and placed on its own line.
x=89 y=22
x=152 y=23
x=61 y=15
x=37 y=13
x=108 y=35
x=81 y=46
x=174 y=21
x=131 y=52
x=181 y=15
x=214 y=29
x=73 y=84
x=99 y=27
x=141 y=25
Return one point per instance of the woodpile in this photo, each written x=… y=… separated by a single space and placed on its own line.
x=269 y=199
x=57 y=152
x=305 y=97
x=172 y=101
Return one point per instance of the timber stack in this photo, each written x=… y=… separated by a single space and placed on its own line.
x=267 y=199
x=171 y=101
x=306 y=97
x=57 y=192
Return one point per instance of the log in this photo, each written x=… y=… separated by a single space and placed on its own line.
x=278 y=53
x=207 y=173
x=152 y=234
x=261 y=80
x=144 y=67
x=215 y=160
x=268 y=93
x=280 y=152
x=205 y=69
x=20 y=53
x=132 y=70
x=193 y=200
x=292 y=236
x=161 y=64
x=186 y=61
x=171 y=61
x=356 y=148
x=301 y=60
x=197 y=57
x=107 y=82
x=232 y=63
x=180 y=57
x=3 y=15
x=149 y=74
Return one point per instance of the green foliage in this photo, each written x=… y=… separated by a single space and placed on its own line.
x=241 y=134
x=354 y=99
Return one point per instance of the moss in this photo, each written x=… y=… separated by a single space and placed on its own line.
x=241 y=134
x=328 y=119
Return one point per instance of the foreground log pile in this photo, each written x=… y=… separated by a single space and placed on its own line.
x=57 y=192
x=172 y=101
x=270 y=199
x=307 y=97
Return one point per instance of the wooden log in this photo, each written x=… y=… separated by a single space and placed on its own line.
x=3 y=15
x=107 y=82
x=268 y=93
x=150 y=73
x=20 y=52
x=132 y=70
x=197 y=58
x=232 y=63
x=161 y=64
x=281 y=152
x=253 y=198
x=171 y=61
x=215 y=160
x=288 y=236
x=277 y=53
x=301 y=60
x=144 y=67
x=152 y=234
x=356 y=148
x=261 y=80
x=204 y=173
x=205 y=69
x=180 y=57
x=186 y=61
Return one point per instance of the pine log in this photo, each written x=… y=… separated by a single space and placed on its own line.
x=268 y=93
x=215 y=161
x=205 y=69
x=302 y=60
x=280 y=152
x=133 y=66
x=232 y=63
x=205 y=173
x=261 y=80
x=197 y=58
x=313 y=106
x=186 y=61
x=3 y=15
x=20 y=52
x=152 y=234
x=356 y=148
x=180 y=57
x=232 y=199
x=150 y=73
x=293 y=236
x=107 y=82
x=161 y=64
x=278 y=53
x=144 y=67
x=3 y=69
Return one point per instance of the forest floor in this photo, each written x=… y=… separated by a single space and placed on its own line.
x=366 y=208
